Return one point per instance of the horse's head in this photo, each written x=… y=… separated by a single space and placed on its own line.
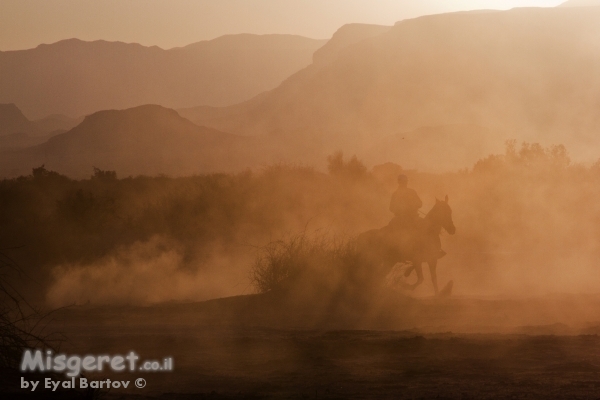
x=442 y=213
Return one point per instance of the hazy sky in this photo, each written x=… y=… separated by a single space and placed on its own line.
x=172 y=23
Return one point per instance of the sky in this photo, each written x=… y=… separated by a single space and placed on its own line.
x=174 y=23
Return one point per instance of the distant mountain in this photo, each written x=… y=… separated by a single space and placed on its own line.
x=435 y=93
x=229 y=118
x=16 y=131
x=19 y=140
x=74 y=77
x=13 y=121
x=580 y=3
x=56 y=122
x=528 y=73
x=147 y=140
x=344 y=37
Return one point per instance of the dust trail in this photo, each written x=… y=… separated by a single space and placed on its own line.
x=145 y=273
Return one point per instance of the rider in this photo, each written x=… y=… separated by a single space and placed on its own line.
x=405 y=205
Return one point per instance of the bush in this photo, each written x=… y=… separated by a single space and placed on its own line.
x=317 y=264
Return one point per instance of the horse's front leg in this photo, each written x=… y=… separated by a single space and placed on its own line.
x=433 y=272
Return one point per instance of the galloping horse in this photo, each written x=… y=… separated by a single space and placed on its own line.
x=382 y=248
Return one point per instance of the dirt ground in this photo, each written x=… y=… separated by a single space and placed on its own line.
x=255 y=347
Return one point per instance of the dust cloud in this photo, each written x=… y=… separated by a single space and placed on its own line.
x=527 y=225
x=144 y=273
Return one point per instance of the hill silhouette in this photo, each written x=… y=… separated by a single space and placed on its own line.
x=536 y=81
x=20 y=140
x=74 y=77
x=13 y=121
x=16 y=131
x=145 y=140
x=57 y=122
x=344 y=37
x=437 y=92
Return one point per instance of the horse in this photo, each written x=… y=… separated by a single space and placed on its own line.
x=382 y=248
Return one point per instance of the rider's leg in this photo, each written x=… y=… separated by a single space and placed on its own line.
x=433 y=272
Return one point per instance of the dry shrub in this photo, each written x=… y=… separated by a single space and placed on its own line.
x=314 y=266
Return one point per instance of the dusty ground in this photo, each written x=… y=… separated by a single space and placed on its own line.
x=256 y=347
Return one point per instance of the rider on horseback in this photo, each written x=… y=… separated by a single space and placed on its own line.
x=406 y=225
x=408 y=239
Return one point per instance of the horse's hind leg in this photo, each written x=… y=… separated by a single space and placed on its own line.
x=433 y=272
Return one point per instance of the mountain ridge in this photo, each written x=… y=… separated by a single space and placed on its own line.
x=536 y=82
x=12 y=120
x=76 y=77
x=143 y=140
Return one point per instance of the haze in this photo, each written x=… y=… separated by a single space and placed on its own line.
x=339 y=199
x=28 y=23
